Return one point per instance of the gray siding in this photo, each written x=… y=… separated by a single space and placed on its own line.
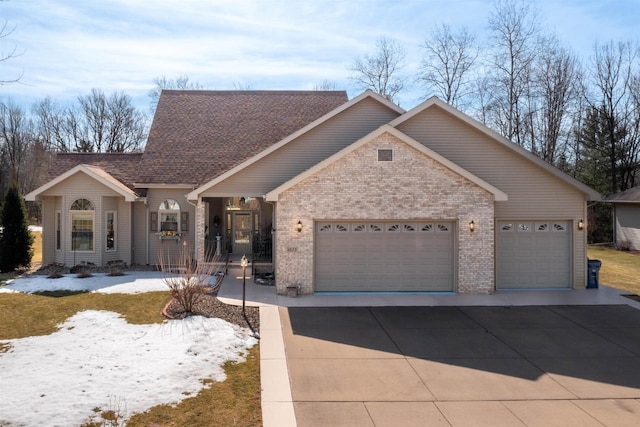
x=61 y=197
x=140 y=231
x=170 y=249
x=533 y=192
x=628 y=225
x=306 y=151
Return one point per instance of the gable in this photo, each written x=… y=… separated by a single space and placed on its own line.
x=302 y=150
x=416 y=163
x=483 y=151
x=534 y=187
x=83 y=180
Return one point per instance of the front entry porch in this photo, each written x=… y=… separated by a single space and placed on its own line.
x=237 y=226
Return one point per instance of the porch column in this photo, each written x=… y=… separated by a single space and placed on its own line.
x=200 y=219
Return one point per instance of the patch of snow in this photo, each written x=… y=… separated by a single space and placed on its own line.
x=97 y=358
x=132 y=282
x=37 y=228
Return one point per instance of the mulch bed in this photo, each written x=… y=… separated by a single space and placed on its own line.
x=210 y=306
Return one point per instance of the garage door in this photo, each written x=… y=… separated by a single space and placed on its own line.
x=533 y=254
x=384 y=256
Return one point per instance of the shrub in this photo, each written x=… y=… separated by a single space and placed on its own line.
x=15 y=239
x=116 y=267
x=54 y=270
x=187 y=279
x=84 y=269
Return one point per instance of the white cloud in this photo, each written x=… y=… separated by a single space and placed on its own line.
x=72 y=47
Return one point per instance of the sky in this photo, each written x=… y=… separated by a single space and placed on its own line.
x=97 y=359
x=68 y=47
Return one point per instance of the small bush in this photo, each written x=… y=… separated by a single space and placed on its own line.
x=187 y=280
x=624 y=245
x=55 y=270
x=84 y=269
x=115 y=416
x=116 y=267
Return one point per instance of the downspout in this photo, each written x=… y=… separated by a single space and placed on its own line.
x=146 y=231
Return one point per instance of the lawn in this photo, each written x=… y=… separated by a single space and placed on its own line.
x=234 y=402
x=619 y=269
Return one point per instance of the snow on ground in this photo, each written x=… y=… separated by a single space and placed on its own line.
x=97 y=359
x=132 y=282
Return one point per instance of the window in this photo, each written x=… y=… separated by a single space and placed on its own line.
x=58 y=230
x=110 y=229
x=385 y=155
x=82 y=220
x=169 y=217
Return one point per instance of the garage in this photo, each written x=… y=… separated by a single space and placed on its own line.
x=378 y=256
x=533 y=254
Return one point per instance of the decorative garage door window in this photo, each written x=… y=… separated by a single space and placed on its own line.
x=379 y=255
x=535 y=253
x=380 y=227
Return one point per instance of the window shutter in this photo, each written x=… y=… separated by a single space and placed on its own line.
x=153 y=221
x=184 y=222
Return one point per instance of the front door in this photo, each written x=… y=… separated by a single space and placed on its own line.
x=241 y=233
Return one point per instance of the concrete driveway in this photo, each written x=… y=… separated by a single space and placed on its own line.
x=463 y=365
x=534 y=358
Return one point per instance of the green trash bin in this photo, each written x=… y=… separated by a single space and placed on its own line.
x=593 y=273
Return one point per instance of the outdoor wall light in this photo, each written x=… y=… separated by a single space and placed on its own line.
x=299 y=226
x=581 y=225
x=472 y=226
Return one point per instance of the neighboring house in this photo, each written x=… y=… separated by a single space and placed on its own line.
x=627 y=214
x=341 y=195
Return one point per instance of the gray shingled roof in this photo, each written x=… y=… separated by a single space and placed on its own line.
x=122 y=166
x=198 y=135
x=632 y=195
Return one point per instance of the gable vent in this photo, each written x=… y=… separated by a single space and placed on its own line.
x=385 y=155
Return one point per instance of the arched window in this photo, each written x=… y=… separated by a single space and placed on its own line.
x=82 y=225
x=169 y=217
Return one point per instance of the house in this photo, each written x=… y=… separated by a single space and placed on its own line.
x=337 y=194
x=627 y=218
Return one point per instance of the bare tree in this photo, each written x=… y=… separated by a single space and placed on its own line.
x=514 y=32
x=447 y=63
x=381 y=71
x=552 y=103
x=6 y=31
x=97 y=123
x=325 y=85
x=180 y=82
x=611 y=100
x=51 y=125
x=15 y=138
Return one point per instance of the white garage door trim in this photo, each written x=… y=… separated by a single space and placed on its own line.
x=385 y=256
x=534 y=254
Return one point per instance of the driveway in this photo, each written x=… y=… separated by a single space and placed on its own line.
x=463 y=365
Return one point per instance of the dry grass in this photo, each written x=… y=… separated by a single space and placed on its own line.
x=619 y=269
x=37 y=247
x=25 y=315
x=234 y=402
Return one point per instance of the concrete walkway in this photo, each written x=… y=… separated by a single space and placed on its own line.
x=513 y=358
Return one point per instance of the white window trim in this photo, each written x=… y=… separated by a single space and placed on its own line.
x=93 y=230
x=115 y=230
x=177 y=212
x=58 y=230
